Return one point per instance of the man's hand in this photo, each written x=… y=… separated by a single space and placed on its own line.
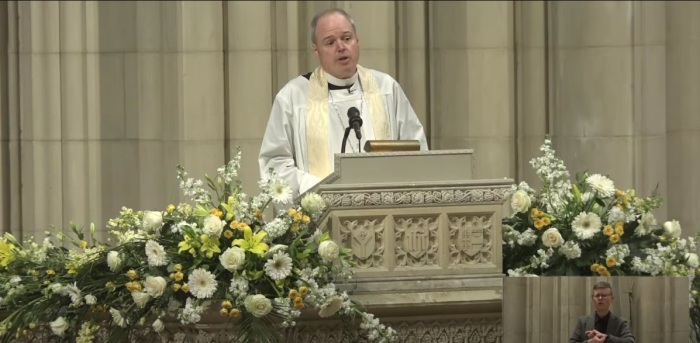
x=597 y=339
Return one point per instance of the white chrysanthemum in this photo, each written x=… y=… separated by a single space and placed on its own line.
x=156 y=254
x=140 y=298
x=602 y=184
x=586 y=225
x=280 y=191
x=279 y=266
x=152 y=221
x=113 y=261
x=330 y=307
x=202 y=283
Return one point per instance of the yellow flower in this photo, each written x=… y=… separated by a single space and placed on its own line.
x=226 y=304
x=133 y=286
x=614 y=239
x=178 y=276
x=132 y=274
x=234 y=224
x=209 y=246
x=234 y=313
x=608 y=230
x=619 y=228
x=291 y=212
x=298 y=303
x=176 y=287
x=539 y=224
x=188 y=245
x=546 y=221
x=51 y=272
x=252 y=243
x=611 y=261
x=170 y=208
x=298 y=216
x=293 y=293
x=185 y=288
x=305 y=219
x=223 y=312
x=594 y=267
x=7 y=252
x=258 y=214
x=605 y=273
x=303 y=290
x=295 y=227
x=228 y=233
x=535 y=213
x=177 y=267
x=601 y=269
x=83 y=244
x=217 y=212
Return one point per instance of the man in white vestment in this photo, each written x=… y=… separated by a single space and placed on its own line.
x=310 y=113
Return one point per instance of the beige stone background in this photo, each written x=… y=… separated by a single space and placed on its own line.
x=546 y=309
x=100 y=101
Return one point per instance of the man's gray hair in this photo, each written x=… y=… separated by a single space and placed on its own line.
x=602 y=285
x=322 y=14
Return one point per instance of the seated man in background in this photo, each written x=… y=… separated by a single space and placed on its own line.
x=310 y=113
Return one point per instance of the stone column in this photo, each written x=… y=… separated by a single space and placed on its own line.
x=472 y=79
x=683 y=107
x=606 y=90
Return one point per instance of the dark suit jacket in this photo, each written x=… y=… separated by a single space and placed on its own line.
x=618 y=329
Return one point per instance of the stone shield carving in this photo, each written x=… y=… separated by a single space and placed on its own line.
x=470 y=237
x=363 y=242
x=416 y=240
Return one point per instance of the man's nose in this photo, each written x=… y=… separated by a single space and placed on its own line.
x=341 y=46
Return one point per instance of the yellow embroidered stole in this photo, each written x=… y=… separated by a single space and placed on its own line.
x=317 y=143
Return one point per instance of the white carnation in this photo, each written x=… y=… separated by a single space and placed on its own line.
x=672 y=229
x=113 y=261
x=140 y=298
x=692 y=260
x=90 y=299
x=154 y=286
x=328 y=250
x=570 y=250
x=313 y=203
x=152 y=221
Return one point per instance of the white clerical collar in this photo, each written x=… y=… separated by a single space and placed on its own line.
x=342 y=82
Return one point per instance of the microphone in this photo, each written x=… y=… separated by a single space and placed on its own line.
x=355 y=121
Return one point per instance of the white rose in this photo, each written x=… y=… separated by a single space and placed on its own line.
x=692 y=260
x=330 y=307
x=140 y=298
x=154 y=286
x=213 y=226
x=158 y=325
x=520 y=201
x=113 y=261
x=59 y=326
x=233 y=258
x=90 y=299
x=152 y=221
x=551 y=238
x=328 y=250
x=313 y=203
x=258 y=305
x=672 y=229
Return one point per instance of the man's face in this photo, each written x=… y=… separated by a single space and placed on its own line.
x=602 y=298
x=337 y=46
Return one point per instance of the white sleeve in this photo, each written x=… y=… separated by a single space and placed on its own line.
x=277 y=151
x=409 y=126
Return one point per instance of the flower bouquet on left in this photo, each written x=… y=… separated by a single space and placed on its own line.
x=218 y=255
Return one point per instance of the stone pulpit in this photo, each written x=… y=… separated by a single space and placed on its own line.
x=427 y=241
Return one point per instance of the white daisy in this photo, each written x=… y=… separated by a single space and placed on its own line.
x=602 y=184
x=156 y=254
x=280 y=191
x=279 y=266
x=586 y=225
x=202 y=283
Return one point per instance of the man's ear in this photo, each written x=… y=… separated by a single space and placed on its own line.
x=315 y=49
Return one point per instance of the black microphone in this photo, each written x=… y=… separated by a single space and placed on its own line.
x=355 y=121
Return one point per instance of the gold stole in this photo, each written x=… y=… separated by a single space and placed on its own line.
x=317 y=117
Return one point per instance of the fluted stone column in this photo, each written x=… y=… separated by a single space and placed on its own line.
x=607 y=100
x=472 y=81
x=683 y=107
x=530 y=94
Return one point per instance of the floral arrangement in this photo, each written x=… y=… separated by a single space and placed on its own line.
x=218 y=255
x=589 y=227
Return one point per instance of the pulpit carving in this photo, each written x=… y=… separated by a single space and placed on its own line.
x=365 y=238
x=416 y=241
x=470 y=239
